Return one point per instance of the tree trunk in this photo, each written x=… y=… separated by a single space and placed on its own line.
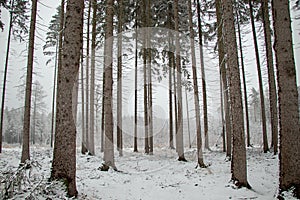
x=271 y=76
x=26 y=126
x=87 y=74
x=119 y=81
x=289 y=148
x=196 y=91
x=244 y=81
x=108 y=98
x=222 y=63
x=238 y=163
x=260 y=81
x=135 y=84
x=206 y=142
x=5 y=73
x=34 y=117
x=102 y=112
x=175 y=100
x=188 y=117
x=92 y=86
x=83 y=135
x=64 y=155
x=179 y=132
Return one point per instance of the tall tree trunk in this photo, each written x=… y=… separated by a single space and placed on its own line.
x=205 y=115
x=119 y=83
x=87 y=74
x=92 y=86
x=34 y=117
x=64 y=155
x=238 y=163
x=5 y=72
x=271 y=76
x=222 y=65
x=289 y=148
x=179 y=132
x=108 y=97
x=260 y=81
x=196 y=90
x=244 y=81
x=135 y=84
x=102 y=112
x=83 y=135
x=175 y=100
x=146 y=121
x=26 y=126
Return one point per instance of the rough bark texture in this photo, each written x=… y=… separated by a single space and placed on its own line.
x=64 y=155
x=289 y=148
x=238 y=163
x=135 y=146
x=222 y=63
x=26 y=126
x=119 y=83
x=92 y=86
x=179 y=133
x=260 y=83
x=271 y=76
x=108 y=87
x=5 y=76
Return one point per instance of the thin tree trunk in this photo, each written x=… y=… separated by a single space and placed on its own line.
x=83 y=135
x=261 y=92
x=206 y=142
x=34 y=117
x=239 y=162
x=271 y=76
x=171 y=142
x=289 y=148
x=87 y=74
x=119 y=81
x=244 y=81
x=108 y=97
x=188 y=117
x=64 y=155
x=102 y=112
x=135 y=84
x=92 y=86
x=179 y=133
x=196 y=90
x=5 y=72
x=26 y=126
x=175 y=100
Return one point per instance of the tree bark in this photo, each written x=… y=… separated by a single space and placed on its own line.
x=26 y=126
x=238 y=163
x=108 y=98
x=261 y=89
x=64 y=155
x=135 y=146
x=188 y=117
x=179 y=132
x=289 y=148
x=83 y=135
x=271 y=76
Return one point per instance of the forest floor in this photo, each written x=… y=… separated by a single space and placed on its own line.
x=147 y=177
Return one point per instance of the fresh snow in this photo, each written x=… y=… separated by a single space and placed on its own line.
x=148 y=177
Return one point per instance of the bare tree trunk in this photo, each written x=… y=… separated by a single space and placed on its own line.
x=108 y=98
x=238 y=163
x=135 y=84
x=222 y=62
x=87 y=74
x=34 y=117
x=26 y=125
x=83 y=136
x=102 y=112
x=271 y=76
x=244 y=81
x=64 y=155
x=179 y=132
x=261 y=91
x=5 y=72
x=119 y=83
x=175 y=100
x=196 y=90
x=92 y=86
x=188 y=117
x=289 y=148
x=206 y=142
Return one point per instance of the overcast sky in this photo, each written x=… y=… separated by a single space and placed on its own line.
x=46 y=9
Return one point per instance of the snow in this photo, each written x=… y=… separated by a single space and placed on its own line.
x=148 y=177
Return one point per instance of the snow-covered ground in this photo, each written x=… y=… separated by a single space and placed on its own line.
x=148 y=177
